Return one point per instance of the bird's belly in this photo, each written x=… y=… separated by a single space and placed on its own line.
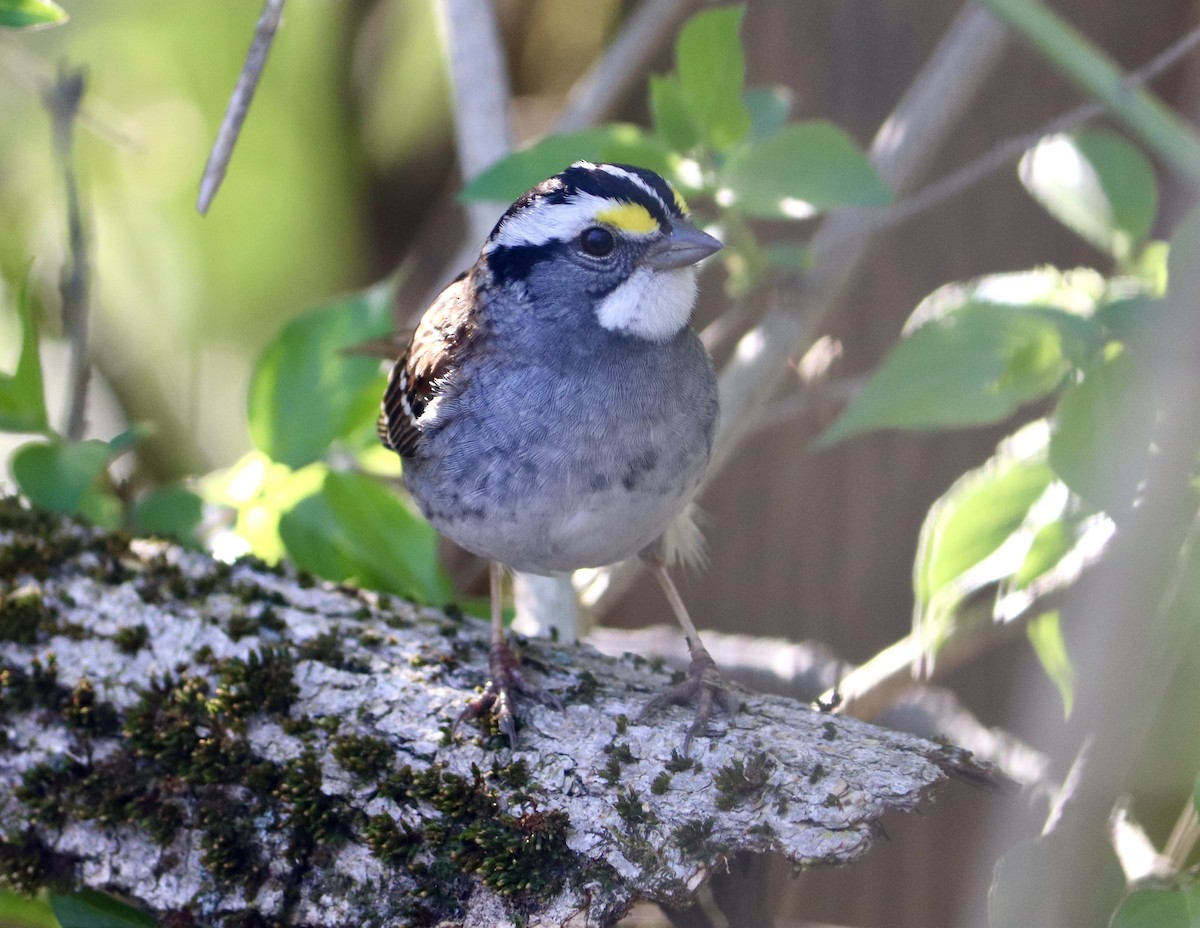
x=552 y=524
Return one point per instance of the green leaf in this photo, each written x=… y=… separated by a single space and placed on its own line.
x=802 y=169
x=974 y=366
x=1050 y=545
x=979 y=513
x=510 y=177
x=306 y=392
x=1098 y=185
x=1102 y=430
x=1196 y=793
x=1154 y=908
x=1045 y=634
x=1127 y=318
x=25 y=14
x=712 y=70
x=17 y=911
x=90 y=909
x=769 y=108
x=172 y=511
x=669 y=111
x=22 y=398
x=355 y=528
x=61 y=476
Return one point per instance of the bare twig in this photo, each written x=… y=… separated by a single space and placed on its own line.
x=239 y=103
x=623 y=63
x=63 y=100
x=479 y=84
x=1006 y=152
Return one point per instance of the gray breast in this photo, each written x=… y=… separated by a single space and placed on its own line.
x=569 y=458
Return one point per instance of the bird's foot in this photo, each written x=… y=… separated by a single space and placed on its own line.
x=499 y=696
x=703 y=686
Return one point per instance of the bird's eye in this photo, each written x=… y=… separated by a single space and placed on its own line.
x=597 y=242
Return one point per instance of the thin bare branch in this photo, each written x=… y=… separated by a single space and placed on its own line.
x=1004 y=153
x=63 y=99
x=239 y=103
x=623 y=63
x=479 y=84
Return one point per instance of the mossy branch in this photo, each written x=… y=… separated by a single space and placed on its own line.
x=234 y=744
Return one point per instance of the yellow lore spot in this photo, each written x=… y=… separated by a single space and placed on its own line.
x=629 y=217
x=679 y=200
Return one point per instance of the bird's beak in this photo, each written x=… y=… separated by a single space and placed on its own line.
x=685 y=245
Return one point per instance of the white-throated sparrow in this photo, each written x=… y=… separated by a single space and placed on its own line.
x=554 y=408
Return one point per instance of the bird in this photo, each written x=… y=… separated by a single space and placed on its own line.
x=554 y=409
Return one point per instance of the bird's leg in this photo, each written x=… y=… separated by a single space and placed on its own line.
x=500 y=692
x=704 y=683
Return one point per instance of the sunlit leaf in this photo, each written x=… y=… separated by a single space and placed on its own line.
x=669 y=111
x=306 y=391
x=1155 y=908
x=59 y=475
x=711 y=66
x=1101 y=432
x=1097 y=184
x=354 y=528
x=972 y=367
x=22 y=399
x=1050 y=545
x=17 y=911
x=1045 y=634
x=90 y=909
x=801 y=169
x=979 y=513
x=25 y=14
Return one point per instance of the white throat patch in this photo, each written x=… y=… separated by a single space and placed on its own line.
x=650 y=304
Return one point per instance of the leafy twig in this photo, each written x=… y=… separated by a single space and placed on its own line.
x=62 y=100
x=239 y=104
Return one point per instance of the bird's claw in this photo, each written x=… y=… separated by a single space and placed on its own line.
x=705 y=687
x=499 y=696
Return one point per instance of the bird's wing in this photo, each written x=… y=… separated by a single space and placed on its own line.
x=446 y=330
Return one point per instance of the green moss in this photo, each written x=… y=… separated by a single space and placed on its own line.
x=327 y=648
x=622 y=723
x=829 y=731
x=661 y=784
x=229 y=848
x=86 y=716
x=816 y=774
x=366 y=757
x=632 y=810
x=391 y=841
x=131 y=638
x=694 y=838
x=740 y=780
x=585 y=689
x=27 y=864
x=314 y=817
x=37 y=688
x=678 y=763
x=241 y=626
x=619 y=754
x=25 y=616
x=263 y=682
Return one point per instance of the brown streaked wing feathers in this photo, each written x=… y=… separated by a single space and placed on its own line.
x=446 y=329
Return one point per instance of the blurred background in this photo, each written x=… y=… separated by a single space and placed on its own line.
x=346 y=172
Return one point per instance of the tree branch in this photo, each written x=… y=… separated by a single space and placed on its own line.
x=218 y=740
